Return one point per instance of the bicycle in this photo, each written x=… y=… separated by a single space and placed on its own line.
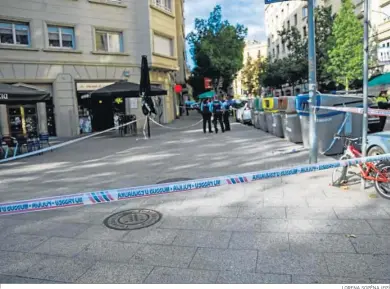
x=379 y=172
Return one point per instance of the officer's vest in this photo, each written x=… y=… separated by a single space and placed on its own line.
x=381 y=99
x=217 y=106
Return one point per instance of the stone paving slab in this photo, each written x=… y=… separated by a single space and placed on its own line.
x=234 y=277
x=263 y=241
x=159 y=255
x=57 y=269
x=64 y=247
x=224 y=259
x=305 y=279
x=365 y=244
x=285 y=262
x=209 y=239
x=108 y=273
x=321 y=243
x=165 y=275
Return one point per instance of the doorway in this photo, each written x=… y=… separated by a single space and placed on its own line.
x=102 y=114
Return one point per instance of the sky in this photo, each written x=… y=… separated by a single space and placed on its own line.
x=247 y=12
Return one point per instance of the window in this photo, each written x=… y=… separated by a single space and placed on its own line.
x=14 y=33
x=163 y=4
x=304 y=12
x=163 y=45
x=109 y=41
x=283 y=47
x=273 y=52
x=295 y=19
x=304 y=31
x=61 y=37
x=269 y=41
x=277 y=50
x=288 y=25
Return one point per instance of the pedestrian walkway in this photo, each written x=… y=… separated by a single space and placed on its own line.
x=294 y=229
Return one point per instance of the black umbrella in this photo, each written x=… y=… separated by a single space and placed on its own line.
x=19 y=94
x=147 y=91
x=125 y=89
x=118 y=89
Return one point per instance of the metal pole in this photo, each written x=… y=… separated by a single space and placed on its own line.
x=148 y=126
x=365 y=84
x=312 y=83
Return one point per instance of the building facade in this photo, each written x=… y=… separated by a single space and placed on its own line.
x=287 y=14
x=72 y=47
x=254 y=50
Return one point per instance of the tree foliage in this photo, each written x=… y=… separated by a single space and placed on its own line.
x=293 y=69
x=251 y=74
x=217 y=47
x=346 y=54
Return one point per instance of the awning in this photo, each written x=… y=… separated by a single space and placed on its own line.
x=125 y=89
x=383 y=79
x=20 y=94
x=207 y=94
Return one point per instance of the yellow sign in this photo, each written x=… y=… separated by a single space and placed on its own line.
x=91 y=86
x=118 y=100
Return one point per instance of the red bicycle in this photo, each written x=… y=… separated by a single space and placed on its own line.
x=378 y=172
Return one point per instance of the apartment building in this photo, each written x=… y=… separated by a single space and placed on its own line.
x=254 y=50
x=71 y=47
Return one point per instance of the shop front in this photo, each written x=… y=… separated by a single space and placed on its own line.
x=97 y=114
x=24 y=111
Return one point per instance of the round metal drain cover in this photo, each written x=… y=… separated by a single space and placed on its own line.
x=132 y=219
x=173 y=180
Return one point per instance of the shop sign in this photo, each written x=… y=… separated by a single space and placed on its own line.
x=3 y=96
x=91 y=86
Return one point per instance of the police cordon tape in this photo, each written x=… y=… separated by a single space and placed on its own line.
x=106 y=196
x=60 y=145
x=359 y=110
x=175 y=128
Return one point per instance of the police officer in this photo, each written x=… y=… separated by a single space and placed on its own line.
x=205 y=109
x=188 y=104
x=226 y=113
x=382 y=101
x=217 y=110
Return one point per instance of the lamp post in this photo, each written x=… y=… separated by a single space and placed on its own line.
x=365 y=84
x=312 y=83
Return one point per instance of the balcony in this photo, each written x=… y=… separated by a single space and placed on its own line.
x=384 y=31
x=164 y=5
x=118 y=3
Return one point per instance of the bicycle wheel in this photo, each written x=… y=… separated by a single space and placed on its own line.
x=383 y=188
x=339 y=175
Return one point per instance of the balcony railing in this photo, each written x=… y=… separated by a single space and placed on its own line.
x=163 y=4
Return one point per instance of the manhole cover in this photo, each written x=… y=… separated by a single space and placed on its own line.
x=132 y=219
x=174 y=180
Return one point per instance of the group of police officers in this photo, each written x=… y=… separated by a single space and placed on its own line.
x=219 y=111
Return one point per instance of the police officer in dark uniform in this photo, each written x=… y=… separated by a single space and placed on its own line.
x=205 y=109
x=226 y=113
x=217 y=110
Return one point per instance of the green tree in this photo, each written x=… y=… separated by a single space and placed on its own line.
x=295 y=65
x=324 y=42
x=246 y=75
x=217 y=47
x=346 y=56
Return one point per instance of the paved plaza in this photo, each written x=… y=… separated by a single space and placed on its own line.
x=294 y=229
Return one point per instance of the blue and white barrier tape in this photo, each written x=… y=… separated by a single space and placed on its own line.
x=60 y=145
x=82 y=199
x=359 y=110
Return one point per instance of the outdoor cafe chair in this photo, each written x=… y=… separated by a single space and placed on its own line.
x=44 y=139
x=11 y=143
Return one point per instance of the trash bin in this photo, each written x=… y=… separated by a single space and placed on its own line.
x=330 y=122
x=290 y=120
x=263 y=121
x=272 y=115
x=255 y=113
